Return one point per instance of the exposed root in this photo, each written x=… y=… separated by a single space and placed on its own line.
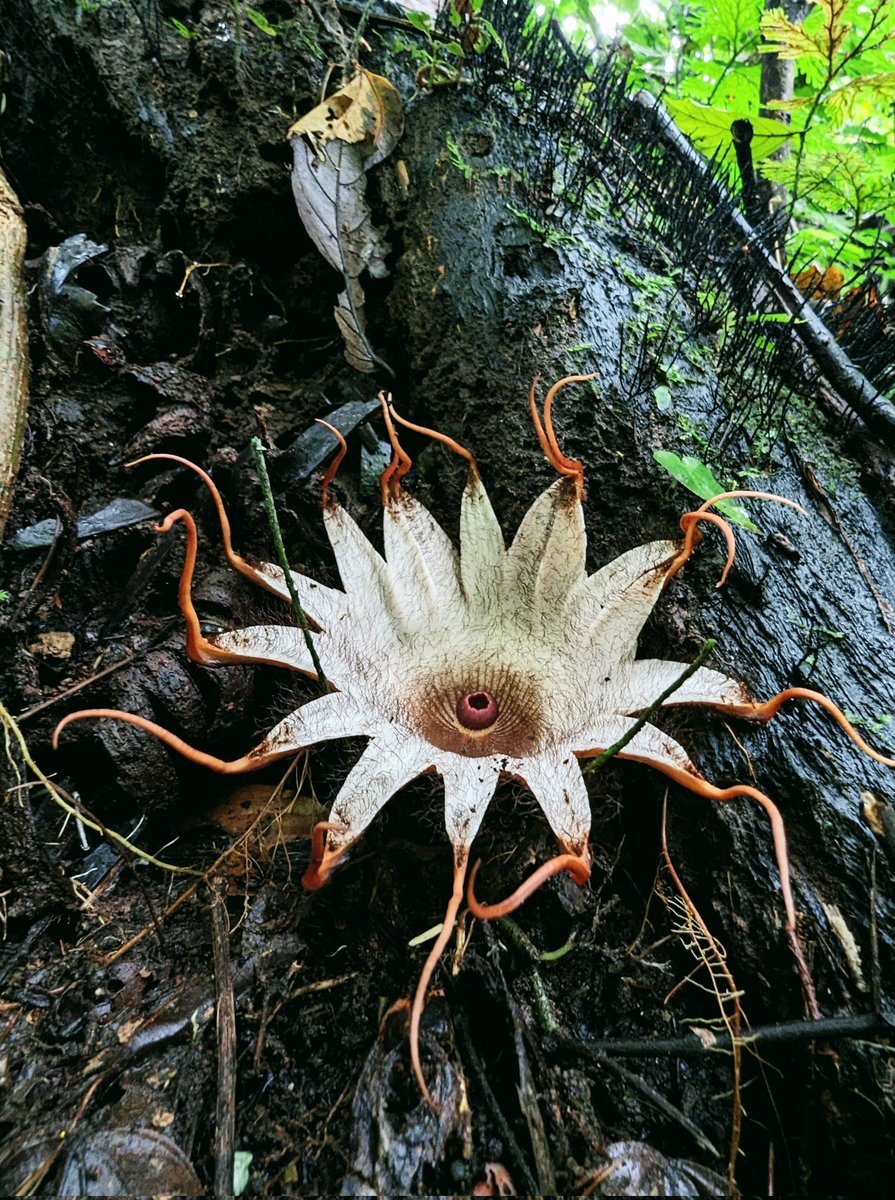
x=702 y=943
x=702 y=787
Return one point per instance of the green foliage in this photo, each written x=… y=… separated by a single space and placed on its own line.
x=706 y=59
x=259 y=20
x=183 y=30
x=440 y=62
x=698 y=478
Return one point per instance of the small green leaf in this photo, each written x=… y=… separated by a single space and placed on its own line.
x=662 y=397
x=242 y=1160
x=261 y=22
x=420 y=20
x=709 y=128
x=696 y=476
x=183 y=30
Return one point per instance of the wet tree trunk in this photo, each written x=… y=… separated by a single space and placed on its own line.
x=160 y=151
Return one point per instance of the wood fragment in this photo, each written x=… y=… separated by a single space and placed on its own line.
x=13 y=344
x=225 y=1109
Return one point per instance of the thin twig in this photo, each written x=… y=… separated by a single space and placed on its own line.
x=276 y=533
x=692 y=1046
x=647 y=715
x=76 y=687
x=225 y=1111
x=9 y=722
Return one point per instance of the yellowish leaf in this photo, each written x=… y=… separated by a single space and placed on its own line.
x=367 y=111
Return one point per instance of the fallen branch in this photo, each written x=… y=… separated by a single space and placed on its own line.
x=859 y=393
x=13 y=344
x=692 y=1045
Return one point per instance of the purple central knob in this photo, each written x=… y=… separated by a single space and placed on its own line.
x=477 y=710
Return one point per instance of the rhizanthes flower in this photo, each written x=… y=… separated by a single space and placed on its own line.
x=494 y=661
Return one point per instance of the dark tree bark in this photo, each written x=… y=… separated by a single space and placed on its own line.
x=167 y=152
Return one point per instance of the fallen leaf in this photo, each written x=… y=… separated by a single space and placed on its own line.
x=367 y=110
x=333 y=147
x=127 y=1162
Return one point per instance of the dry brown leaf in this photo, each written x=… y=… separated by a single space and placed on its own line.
x=367 y=110
x=333 y=147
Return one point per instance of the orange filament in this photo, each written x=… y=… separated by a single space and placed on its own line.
x=578 y=866
x=336 y=462
x=691 y=520
x=232 y=557
x=390 y=481
x=322 y=861
x=461 y=861
x=770 y=708
x=197 y=645
x=546 y=433
x=439 y=437
x=235 y=560
x=693 y=536
x=252 y=761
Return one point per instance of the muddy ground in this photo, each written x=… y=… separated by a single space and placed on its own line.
x=137 y=152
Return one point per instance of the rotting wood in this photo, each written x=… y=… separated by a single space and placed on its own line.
x=13 y=344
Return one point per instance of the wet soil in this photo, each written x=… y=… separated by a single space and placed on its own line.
x=136 y=153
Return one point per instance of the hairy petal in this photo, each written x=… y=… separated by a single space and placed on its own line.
x=324 y=605
x=370 y=596
x=278 y=645
x=469 y=785
x=559 y=788
x=334 y=715
x=546 y=560
x=392 y=759
x=606 y=613
x=422 y=562
x=482 y=550
x=649 y=745
x=637 y=685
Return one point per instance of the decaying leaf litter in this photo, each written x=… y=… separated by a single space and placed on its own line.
x=380 y=873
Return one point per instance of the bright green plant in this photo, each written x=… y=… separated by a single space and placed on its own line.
x=838 y=127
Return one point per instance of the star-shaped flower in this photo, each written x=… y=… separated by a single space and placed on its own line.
x=494 y=661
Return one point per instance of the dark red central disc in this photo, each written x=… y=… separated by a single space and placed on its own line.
x=477 y=710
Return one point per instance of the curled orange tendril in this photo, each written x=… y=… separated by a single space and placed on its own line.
x=546 y=433
x=690 y=524
x=438 y=436
x=336 y=462
x=390 y=480
x=578 y=866
x=323 y=861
